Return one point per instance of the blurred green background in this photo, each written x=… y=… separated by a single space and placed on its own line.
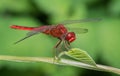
x=102 y=41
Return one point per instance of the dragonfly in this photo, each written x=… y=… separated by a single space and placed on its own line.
x=59 y=31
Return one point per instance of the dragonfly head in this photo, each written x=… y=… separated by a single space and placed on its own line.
x=70 y=36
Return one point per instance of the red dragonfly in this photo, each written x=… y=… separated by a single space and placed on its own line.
x=59 y=31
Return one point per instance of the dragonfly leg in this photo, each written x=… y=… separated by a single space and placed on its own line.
x=57 y=50
x=58 y=43
x=67 y=45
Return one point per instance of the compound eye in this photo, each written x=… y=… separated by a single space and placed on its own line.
x=70 y=37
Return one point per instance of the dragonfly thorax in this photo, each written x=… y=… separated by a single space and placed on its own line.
x=70 y=36
x=58 y=31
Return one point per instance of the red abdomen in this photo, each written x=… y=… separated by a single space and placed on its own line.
x=22 y=27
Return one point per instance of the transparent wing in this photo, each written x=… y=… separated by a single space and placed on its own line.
x=31 y=33
x=80 y=21
x=27 y=36
x=78 y=30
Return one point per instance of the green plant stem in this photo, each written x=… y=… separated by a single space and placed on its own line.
x=61 y=62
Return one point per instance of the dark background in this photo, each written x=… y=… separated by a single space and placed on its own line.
x=102 y=40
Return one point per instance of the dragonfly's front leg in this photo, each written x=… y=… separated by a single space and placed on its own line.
x=67 y=45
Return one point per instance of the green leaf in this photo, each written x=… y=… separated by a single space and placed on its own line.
x=80 y=55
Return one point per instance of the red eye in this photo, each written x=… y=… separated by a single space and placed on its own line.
x=70 y=37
